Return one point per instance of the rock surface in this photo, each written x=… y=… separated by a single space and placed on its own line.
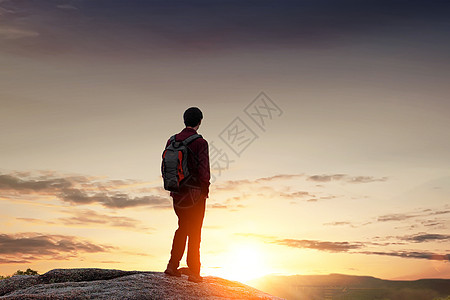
x=117 y=284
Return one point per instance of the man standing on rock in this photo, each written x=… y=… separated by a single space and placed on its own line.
x=189 y=200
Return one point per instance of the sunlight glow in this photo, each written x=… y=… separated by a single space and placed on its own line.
x=244 y=262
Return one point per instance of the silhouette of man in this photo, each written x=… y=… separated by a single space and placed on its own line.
x=194 y=190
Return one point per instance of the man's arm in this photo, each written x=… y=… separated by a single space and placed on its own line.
x=203 y=168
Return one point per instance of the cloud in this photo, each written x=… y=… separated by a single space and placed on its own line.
x=326 y=178
x=4 y=11
x=357 y=247
x=117 y=200
x=119 y=194
x=11 y=33
x=426 y=237
x=411 y=215
x=269 y=187
x=37 y=246
x=80 y=190
x=395 y=217
x=347 y=223
x=411 y=254
x=422 y=237
x=350 y=247
x=279 y=177
x=37 y=221
x=233 y=184
x=416 y=217
x=439 y=212
x=91 y=218
x=262 y=183
x=296 y=195
x=13 y=261
x=436 y=223
x=345 y=178
x=319 y=245
x=67 y=7
x=340 y=223
x=10 y=182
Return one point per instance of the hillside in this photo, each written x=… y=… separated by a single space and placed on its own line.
x=116 y=284
x=337 y=286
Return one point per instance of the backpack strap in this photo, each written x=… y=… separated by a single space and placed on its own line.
x=191 y=139
x=172 y=138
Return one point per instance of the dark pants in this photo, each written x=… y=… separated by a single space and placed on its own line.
x=190 y=223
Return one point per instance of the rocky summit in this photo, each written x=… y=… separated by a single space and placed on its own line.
x=116 y=284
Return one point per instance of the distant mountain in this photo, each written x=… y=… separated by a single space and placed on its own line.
x=338 y=286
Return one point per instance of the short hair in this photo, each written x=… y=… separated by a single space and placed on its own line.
x=192 y=116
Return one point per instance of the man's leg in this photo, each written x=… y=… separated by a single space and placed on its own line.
x=179 y=240
x=194 y=233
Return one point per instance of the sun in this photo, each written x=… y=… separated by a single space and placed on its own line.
x=244 y=262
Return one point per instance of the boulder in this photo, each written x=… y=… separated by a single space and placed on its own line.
x=92 y=283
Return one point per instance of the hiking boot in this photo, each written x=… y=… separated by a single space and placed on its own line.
x=195 y=278
x=172 y=271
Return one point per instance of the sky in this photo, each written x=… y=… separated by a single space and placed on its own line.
x=327 y=123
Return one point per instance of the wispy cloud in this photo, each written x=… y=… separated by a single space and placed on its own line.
x=418 y=217
x=345 y=178
x=427 y=237
x=80 y=190
x=411 y=215
x=348 y=247
x=279 y=177
x=340 y=223
x=296 y=195
x=37 y=221
x=11 y=33
x=13 y=261
x=421 y=237
x=411 y=254
x=15 y=183
x=361 y=247
x=90 y=218
x=263 y=187
x=434 y=223
x=396 y=217
x=233 y=184
x=115 y=200
x=36 y=246
x=319 y=245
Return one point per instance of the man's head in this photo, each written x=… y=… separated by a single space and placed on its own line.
x=192 y=116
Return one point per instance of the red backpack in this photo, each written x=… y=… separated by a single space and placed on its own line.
x=174 y=166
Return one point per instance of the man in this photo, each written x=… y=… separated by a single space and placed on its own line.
x=190 y=219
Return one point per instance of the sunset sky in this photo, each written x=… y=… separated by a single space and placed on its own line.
x=344 y=159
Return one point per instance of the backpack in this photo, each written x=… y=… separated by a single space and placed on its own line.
x=174 y=166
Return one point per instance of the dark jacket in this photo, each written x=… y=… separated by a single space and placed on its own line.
x=200 y=171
